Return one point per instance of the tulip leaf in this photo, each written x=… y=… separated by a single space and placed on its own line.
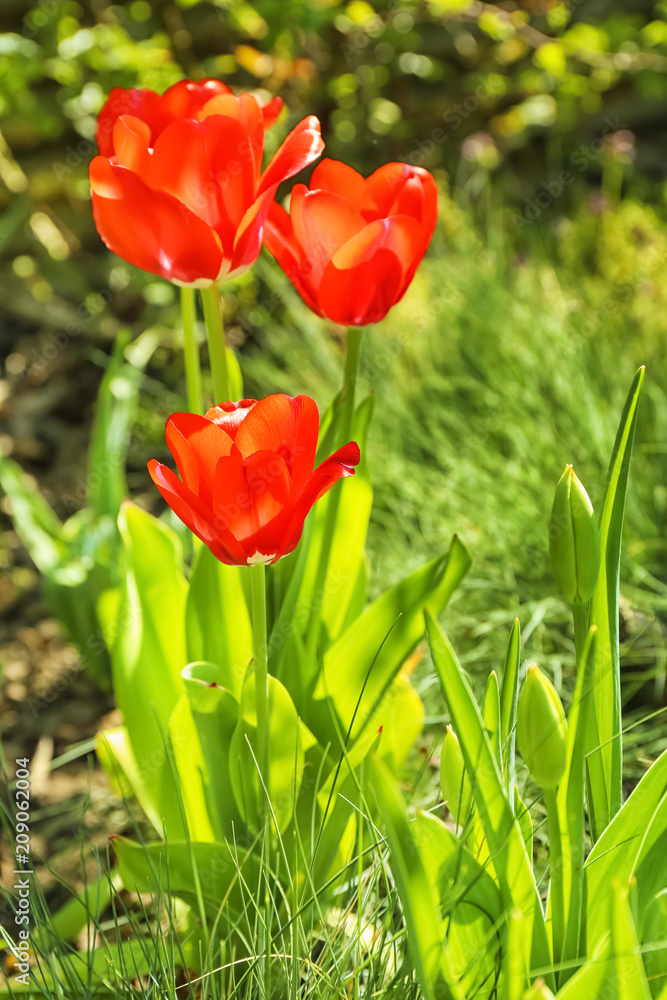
x=571 y=804
x=234 y=375
x=604 y=742
x=509 y=700
x=359 y=596
x=400 y=715
x=36 y=523
x=616 y=970
x=115 y=755
x=289 y=740
x=201 y=729
x=149 y=653
x=114 y=752
x=628 y=969
x=502 y=832
x=62 y=553
x=347 y=549
x=470 y=905
x=217 y=620
x=525 y=822
x=420 y=910
x=634 y=844
x=338 y=797
x=515 y=965
x=382 y=637
x=115 y=411
x=188 y=870
x=88 y=972
x=654 y=942
x=84 y=908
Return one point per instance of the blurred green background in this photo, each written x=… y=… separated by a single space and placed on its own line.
x=543 y=290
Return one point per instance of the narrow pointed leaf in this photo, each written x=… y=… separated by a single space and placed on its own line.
x=604 y=742
x=636 y=836
x=502 y=832
x=509 y=700
x=571 y=805
x=419 y=908
x=397 y=617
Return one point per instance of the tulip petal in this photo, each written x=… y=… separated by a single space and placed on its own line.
x=245 y=110
x=131 y=139
x=339 y=178
x=143 y=104
x=182 y=100
x=322 y=223
x=339 y=465
x=384 y=183
x=285 y=425
x=187 y=97
x=208 y=166
x=190 y=510
x=151 y=229
x=248 y=240
x=229 y=415
x=249 y=494
x=386 y=186
x=271 y=111
x=303 y=145
x=370 y=272
x=281 y=243
x=197 y=444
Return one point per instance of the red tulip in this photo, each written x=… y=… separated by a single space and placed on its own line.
x=178 y=189
x=350 y=245
x=247 y=479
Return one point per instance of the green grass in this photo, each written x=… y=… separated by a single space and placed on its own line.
x=143 y=947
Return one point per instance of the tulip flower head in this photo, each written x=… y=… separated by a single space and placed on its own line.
x=178 y=188
x=351 y=246
x=247 y=475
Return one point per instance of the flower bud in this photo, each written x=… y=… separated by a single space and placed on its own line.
x=454 y=781
x=541 y=729
x=574 y=540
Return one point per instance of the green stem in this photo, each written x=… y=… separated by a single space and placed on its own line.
x=215 y=334
x=580 y=619
x=260 y=651
x=191 y=351
x=349 y=384
x=556 y=869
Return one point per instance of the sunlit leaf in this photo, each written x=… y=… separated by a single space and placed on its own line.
x=604 y=742
x=502 y=832
x=395 y=619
